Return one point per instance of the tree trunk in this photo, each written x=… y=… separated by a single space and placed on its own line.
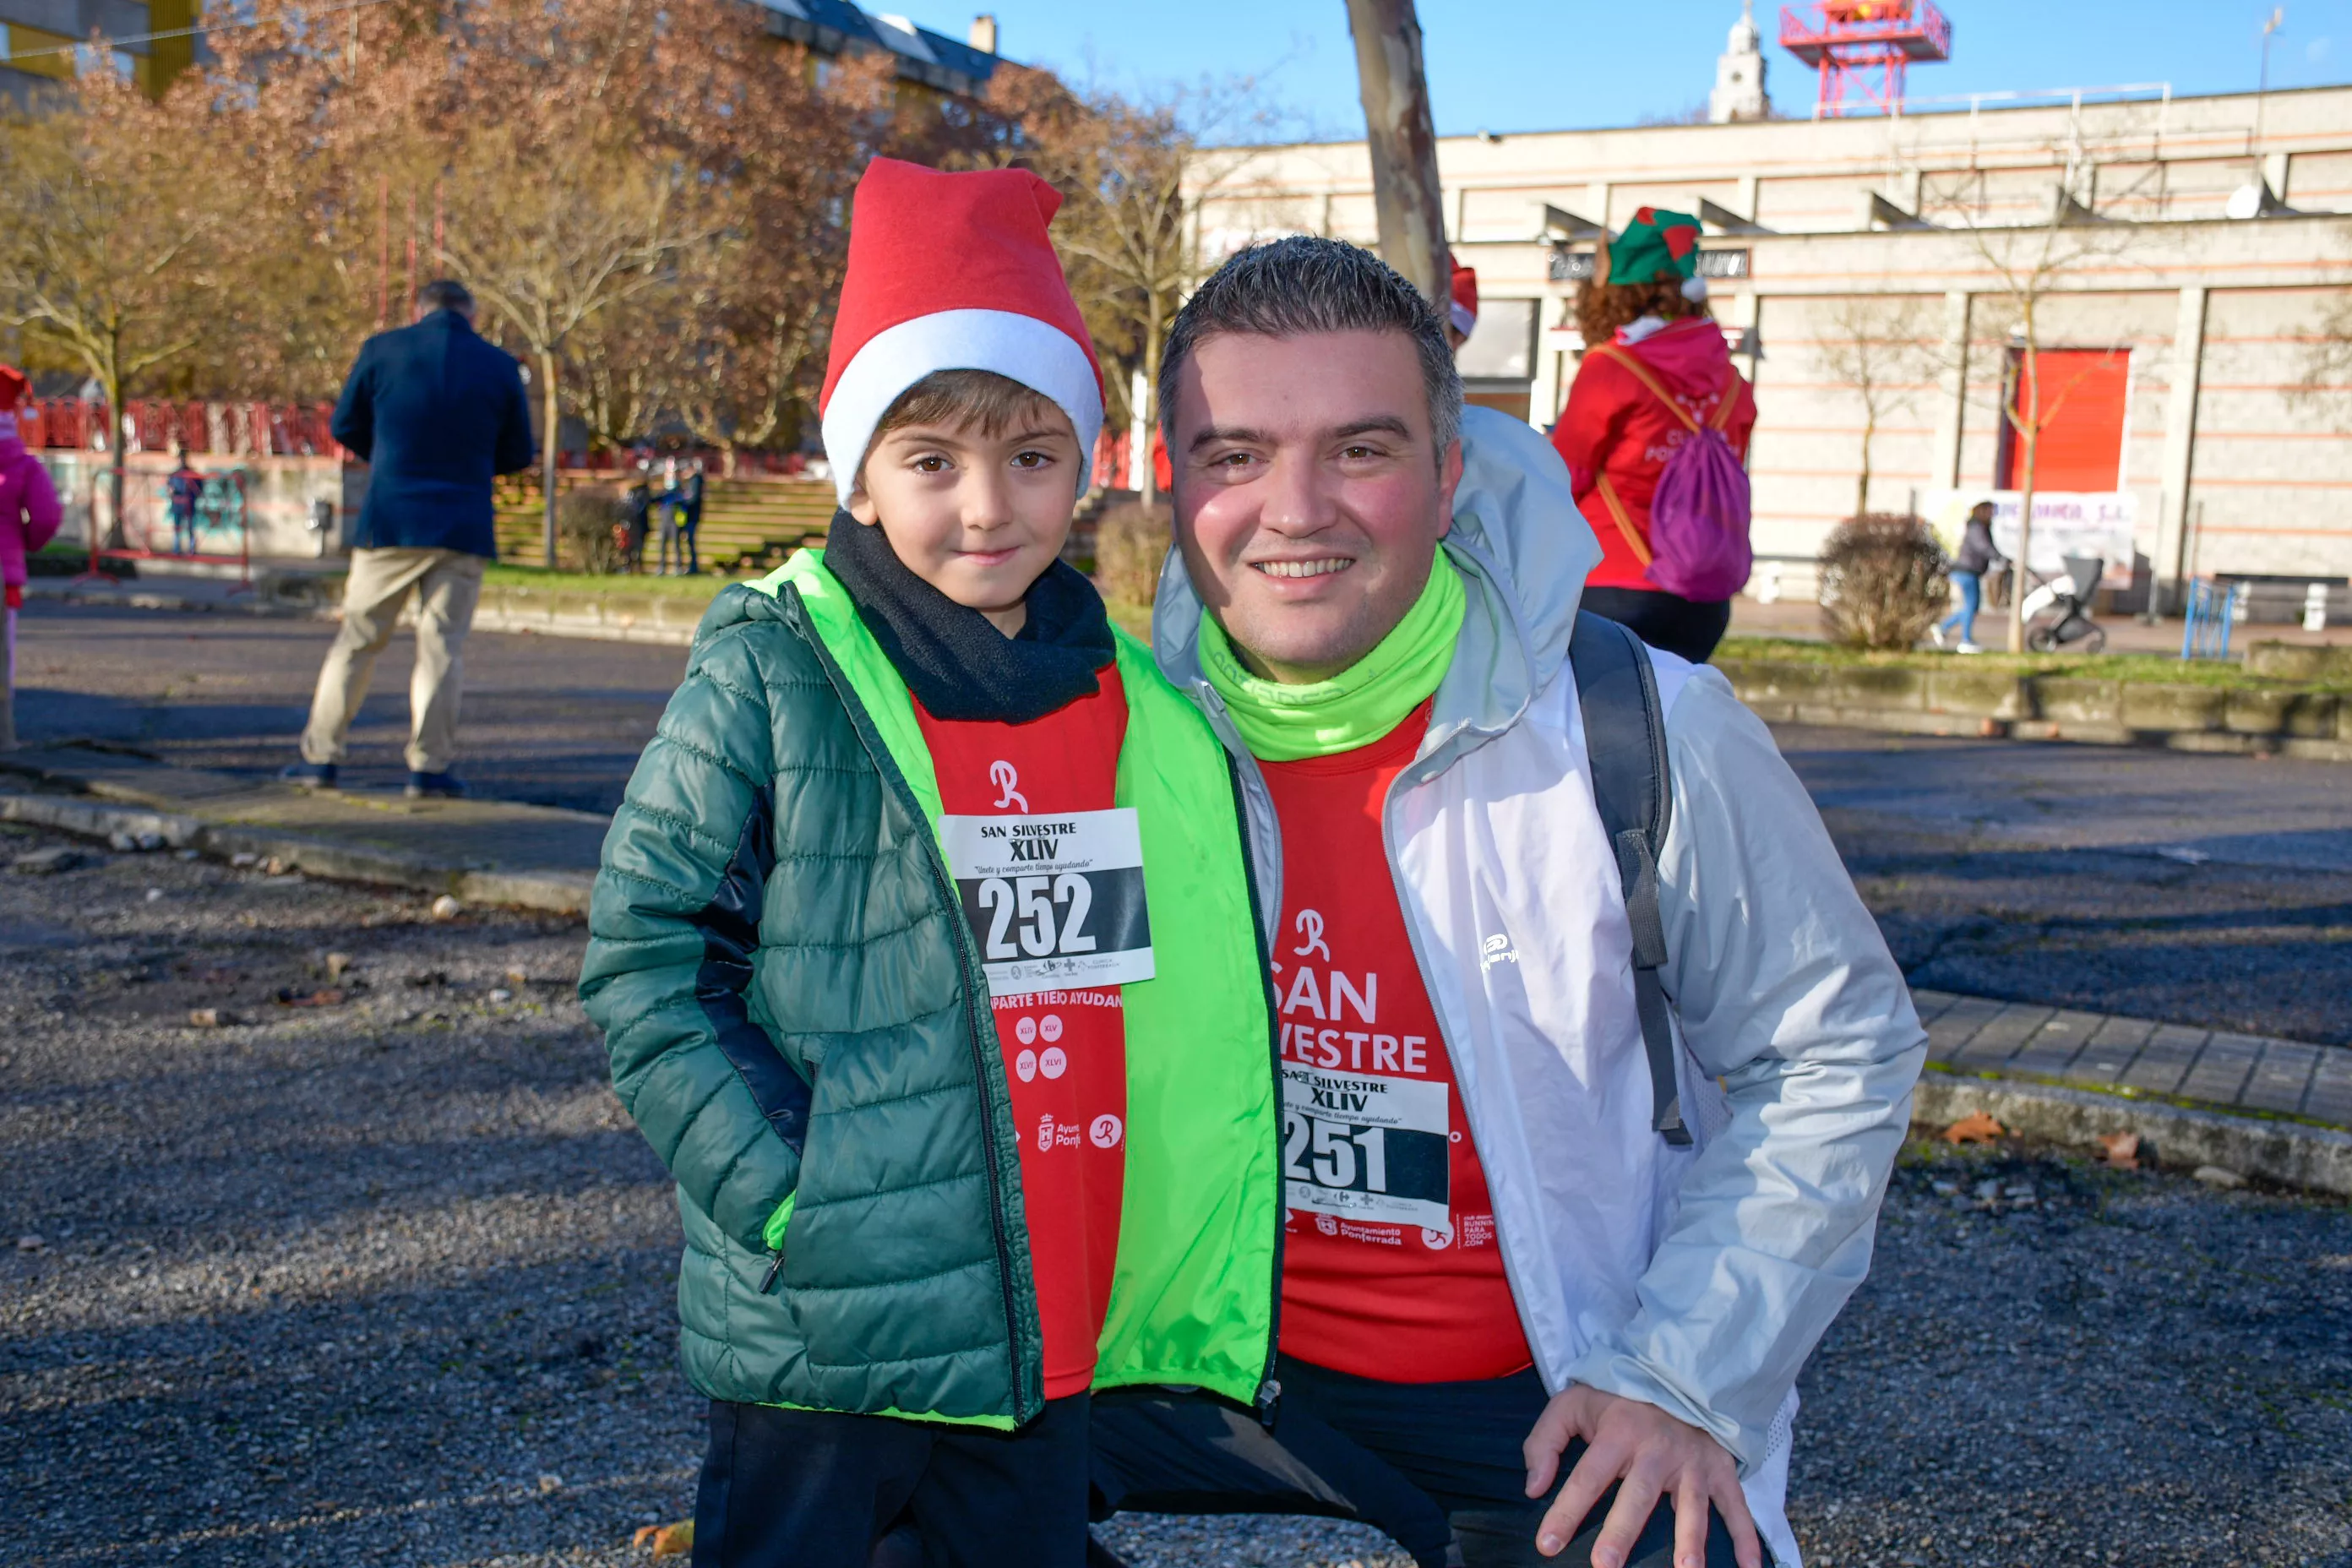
x=1402 y=140
x=551 y=454
x=2024 y=544
x=1146 y=476
x=111 y=384
x=1861 y=484
x=2029 y=430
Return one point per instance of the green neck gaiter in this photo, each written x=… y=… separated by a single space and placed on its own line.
x=1363 y=702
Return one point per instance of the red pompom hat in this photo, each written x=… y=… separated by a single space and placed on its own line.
x=1463 y=306
x=13 y=385
x=951 y=272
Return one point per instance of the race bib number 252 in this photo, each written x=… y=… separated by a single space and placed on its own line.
x=1056 y=902
x=1364 y=1146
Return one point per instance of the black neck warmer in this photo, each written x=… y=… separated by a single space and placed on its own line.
x=954 y=660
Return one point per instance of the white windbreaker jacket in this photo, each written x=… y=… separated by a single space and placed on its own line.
x=1698 y=1279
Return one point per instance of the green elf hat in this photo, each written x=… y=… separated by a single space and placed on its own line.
x=1656 y=245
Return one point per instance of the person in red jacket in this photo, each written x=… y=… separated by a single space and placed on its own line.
x=1648 y=304
x=29 y=516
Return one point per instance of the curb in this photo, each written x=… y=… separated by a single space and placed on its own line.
x=548 y=893
x=160 y=599
x=2291 y=1153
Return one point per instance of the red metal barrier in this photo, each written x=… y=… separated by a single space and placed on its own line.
x=211 y=429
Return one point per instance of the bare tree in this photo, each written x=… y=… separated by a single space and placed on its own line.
x=1882 y=350
x=1129 y=169
x=551 y=237
x=109 y=238
x=2029 y=264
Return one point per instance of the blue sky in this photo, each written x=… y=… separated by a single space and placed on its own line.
x=1528 y=65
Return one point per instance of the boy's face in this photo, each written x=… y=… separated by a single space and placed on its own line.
x=978 y=517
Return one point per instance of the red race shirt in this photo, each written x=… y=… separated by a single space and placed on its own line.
x=1064 y=1051
x=1390 y=1268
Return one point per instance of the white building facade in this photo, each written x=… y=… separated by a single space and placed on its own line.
x=1875 y=273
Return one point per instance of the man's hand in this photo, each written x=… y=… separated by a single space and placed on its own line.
x=1654 y=1456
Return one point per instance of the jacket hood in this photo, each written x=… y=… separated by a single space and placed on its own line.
x=1689 y=355
x=1524 y=551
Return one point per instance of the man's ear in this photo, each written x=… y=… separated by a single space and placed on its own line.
x=1449 y=479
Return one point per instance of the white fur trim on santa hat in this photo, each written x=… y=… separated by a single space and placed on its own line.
x=1466 y=320
x=1020 y=348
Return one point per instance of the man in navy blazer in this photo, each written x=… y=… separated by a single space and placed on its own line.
x=435 y=412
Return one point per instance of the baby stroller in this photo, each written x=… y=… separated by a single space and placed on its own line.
x=2058 y=612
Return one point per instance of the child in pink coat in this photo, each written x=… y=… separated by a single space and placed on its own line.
x=29 y=515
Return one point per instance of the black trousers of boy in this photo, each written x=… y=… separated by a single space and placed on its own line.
x=814 y=1488
x=1437 y=1465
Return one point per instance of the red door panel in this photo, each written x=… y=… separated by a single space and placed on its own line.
x=2082 y=442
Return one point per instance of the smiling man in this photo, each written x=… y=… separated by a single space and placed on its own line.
x=1548 y=1277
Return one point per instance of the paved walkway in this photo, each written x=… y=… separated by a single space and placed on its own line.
x=1802 y=619
x=488 y=851
x=2209 y=1068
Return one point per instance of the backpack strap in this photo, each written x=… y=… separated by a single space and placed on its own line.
x=1625 y=743
x=1719 y=421
x=1622 y=518
x=1633 y=368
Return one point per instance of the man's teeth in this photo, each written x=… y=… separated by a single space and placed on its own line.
x=1302 y=568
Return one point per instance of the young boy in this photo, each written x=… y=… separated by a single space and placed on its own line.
x=927 y=954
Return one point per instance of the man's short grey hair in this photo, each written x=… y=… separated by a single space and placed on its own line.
x=1289 y=288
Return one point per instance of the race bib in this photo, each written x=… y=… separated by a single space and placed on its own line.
x=1056 y=902
x=1364 y=1147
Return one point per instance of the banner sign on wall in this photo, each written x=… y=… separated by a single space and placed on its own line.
x=2066 y=522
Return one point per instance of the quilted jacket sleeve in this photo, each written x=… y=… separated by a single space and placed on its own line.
x=1786 y=991
x=672 y=930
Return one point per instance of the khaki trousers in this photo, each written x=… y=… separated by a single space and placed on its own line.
x=448 y=583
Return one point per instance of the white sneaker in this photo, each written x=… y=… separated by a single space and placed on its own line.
x=1938 y=633
x=1968 y=647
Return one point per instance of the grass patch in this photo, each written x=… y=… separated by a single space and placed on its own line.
x=499 y=574
x=2142 y=668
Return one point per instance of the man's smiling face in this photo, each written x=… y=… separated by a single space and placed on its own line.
x=1309 y=493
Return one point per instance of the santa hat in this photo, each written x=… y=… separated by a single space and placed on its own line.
x=13 y=385
x=951 y=272
x=1464 y=304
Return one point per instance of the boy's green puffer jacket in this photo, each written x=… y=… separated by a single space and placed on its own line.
x=798 y=1022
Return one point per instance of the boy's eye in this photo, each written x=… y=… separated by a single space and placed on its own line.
x=1033 y=459
x=930 y=463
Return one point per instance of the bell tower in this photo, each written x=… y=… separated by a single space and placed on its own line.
x=1740 y=73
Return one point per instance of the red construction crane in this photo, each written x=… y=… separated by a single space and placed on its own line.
x=1861 y=47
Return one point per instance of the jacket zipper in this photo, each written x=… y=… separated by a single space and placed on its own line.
x=1270 y=1388
x=973 y=983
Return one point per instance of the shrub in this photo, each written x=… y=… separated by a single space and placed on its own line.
x=1884 y=581
x=592 y=528
x=1130 y=542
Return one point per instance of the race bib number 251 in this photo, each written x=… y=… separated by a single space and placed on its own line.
x=1056 y=902
x=1364 y=1146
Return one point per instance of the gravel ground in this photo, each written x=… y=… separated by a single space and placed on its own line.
x=388 y=1279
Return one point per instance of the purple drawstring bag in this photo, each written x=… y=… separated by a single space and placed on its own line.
x=1697 y=546
x=1698 y=521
